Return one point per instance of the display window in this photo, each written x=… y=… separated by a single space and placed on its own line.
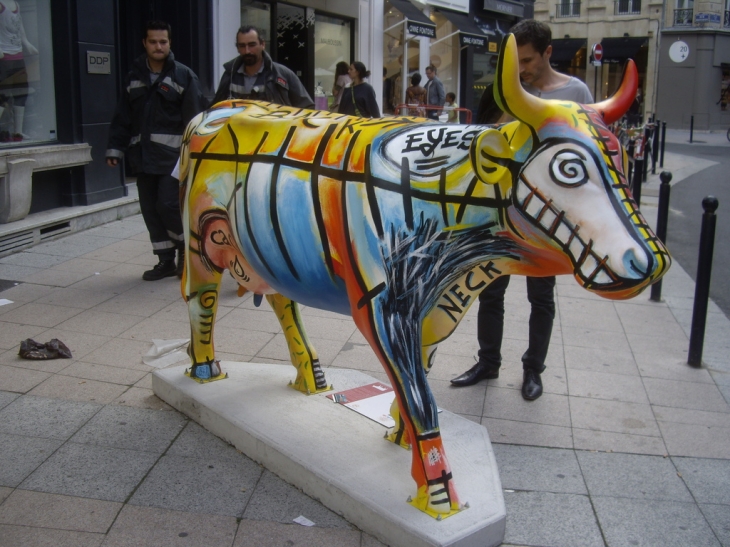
x=332 y=37
x=27 y=94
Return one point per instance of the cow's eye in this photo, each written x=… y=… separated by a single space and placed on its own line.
x=568 y=168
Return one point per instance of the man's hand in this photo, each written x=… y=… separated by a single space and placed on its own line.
x=112 y=162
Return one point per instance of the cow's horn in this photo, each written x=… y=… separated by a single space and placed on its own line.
x=617 y=104
x=508 y=91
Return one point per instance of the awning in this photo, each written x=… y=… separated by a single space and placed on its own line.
x=417 y=23
x=564 y=49
x=469 y=32
x=508 y=7
x=620 y=49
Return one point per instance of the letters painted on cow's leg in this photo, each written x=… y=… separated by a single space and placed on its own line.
x=310 y=377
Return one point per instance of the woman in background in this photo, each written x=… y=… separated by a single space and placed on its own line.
x=359 y=98
x=342 y=80
x=416 y=95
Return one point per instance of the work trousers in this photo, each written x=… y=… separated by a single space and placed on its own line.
x=490 y=321
x=159 y=200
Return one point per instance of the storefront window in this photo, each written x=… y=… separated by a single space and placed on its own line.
x=257 y=14
x=445 y=53
x=27 y=95
x=393 y=57
x=331 y=46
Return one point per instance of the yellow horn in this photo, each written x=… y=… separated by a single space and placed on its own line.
x=508 y=91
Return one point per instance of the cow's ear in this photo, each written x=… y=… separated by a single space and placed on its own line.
x=491 y=156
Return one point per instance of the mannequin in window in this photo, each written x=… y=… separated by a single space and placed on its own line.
x=13 y=42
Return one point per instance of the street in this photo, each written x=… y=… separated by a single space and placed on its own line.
x=685 y=217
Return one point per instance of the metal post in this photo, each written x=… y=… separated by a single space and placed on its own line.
x=661 y=226
x=655 y=148
x=645 y=150
x=691 y=127
x=664 y=140
x=636 y=180
x=702 y=283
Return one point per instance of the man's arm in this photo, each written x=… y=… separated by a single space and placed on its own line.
x=224 y=88
x=120 y=130
x=298 y=96
x=440 y=93
x=193 y=100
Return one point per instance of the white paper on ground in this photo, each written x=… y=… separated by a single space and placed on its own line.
x=304 y=521
x=166 y=352
x=4 y=301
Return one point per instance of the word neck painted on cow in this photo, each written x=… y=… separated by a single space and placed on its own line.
x=400 y=223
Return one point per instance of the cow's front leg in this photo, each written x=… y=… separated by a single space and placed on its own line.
x=310 y=377
x=396 y=342
x=398 y=434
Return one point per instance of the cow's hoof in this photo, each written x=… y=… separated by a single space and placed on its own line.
x=206 y=372
x=436 y=502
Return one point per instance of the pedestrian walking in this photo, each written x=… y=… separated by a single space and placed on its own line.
x=359 y=98
x=416 y=95
x=435 y=94
x=160 y=97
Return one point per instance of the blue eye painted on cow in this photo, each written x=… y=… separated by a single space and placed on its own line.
x=568 y=168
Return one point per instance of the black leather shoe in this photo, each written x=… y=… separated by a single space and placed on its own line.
x=531 y=385
x=164 y=268
x=476 y=373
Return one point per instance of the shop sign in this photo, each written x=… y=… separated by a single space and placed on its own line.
x=419 y=29
x=98 y=62
x=472 y=40
x=504 y=6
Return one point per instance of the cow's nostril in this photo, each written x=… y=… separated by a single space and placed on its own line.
x=636 y=262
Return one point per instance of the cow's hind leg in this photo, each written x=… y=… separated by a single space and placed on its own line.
x=310 y=377
x=200 y=287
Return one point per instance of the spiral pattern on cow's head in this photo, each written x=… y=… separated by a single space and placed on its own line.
x=568 y=168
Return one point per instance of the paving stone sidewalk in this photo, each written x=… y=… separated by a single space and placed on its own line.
x=629 y=446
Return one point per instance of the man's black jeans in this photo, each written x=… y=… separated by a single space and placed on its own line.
x=490 y=321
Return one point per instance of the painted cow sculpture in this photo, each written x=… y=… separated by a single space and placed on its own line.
x=401 y=222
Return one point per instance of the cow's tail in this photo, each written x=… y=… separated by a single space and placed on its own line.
x=184 y=163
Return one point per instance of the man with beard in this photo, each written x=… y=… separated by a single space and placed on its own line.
x=253 y=75
x=160 y=97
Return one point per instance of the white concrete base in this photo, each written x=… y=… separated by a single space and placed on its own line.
x=339 y=457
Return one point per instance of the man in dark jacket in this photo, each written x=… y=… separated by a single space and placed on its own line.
x=160 y=97
x=435 y=94
x=253 y=75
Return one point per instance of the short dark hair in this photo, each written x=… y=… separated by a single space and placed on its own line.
x=431 y=68
x=158 y=25
x=362 y=72
x=452 y=95
x=245 y=29
x=535 y=33
x=416 y=79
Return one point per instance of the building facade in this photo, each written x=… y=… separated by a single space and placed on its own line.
x=626 y=29
x=694 y=65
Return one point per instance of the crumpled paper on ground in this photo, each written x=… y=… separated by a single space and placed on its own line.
x=55 y=349
x=166 y=352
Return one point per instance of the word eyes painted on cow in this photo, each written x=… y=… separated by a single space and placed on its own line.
x=429 y=147
x=455 y=301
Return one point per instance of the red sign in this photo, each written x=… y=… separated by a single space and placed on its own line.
x=597 y=52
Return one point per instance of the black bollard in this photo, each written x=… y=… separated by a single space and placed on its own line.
x=664 y=140
x=646 y=151
x=655 y=148
x=636 y=180
x=661 y=226
x=702 y=283
x=691 y=127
